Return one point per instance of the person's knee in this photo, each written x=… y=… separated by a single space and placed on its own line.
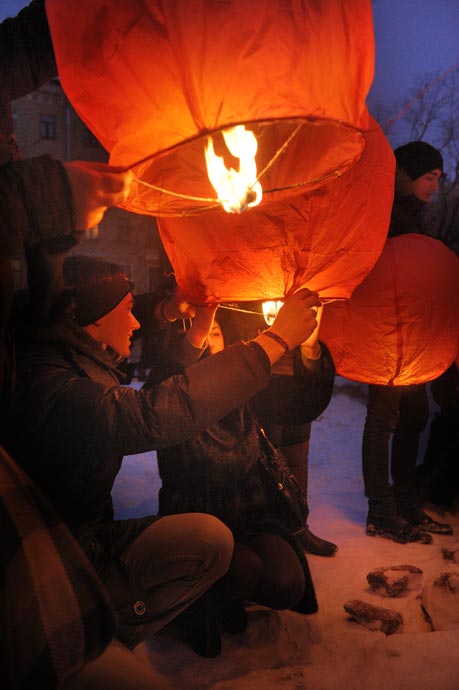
x=282 y=590
x=212 y=540
x=282 y=583
x=244 y=573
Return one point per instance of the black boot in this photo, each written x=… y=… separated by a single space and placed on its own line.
x=198 y=625
x=316 y=545
x=397 y=529
x=418 y=518
x=231 y=615
x=410 y=509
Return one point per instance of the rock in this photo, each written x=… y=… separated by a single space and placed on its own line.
x=374 y=617
x=440 y=601
x=393 y=581
x=451 y=554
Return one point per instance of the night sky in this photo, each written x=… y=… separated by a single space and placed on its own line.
x=413 y=37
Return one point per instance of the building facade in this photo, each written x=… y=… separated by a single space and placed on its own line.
x=45 y=122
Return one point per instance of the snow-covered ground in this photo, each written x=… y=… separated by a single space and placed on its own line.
x=325 y=651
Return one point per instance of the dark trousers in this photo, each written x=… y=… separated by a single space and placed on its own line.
x=401 y=412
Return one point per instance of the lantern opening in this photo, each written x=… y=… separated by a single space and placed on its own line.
x=271 y=310
x=237 y=189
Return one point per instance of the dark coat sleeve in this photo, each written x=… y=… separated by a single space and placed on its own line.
x=37 y=206
x=26 y=52
x=70 y=422
x=35 y=196
x=300 y=398
x=62 y=410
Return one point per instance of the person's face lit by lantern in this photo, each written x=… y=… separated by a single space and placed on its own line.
x=215 y=340
x=115 y=329
x=427 y=185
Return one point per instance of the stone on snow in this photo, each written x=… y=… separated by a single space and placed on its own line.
x=374 y=617
x=395 y=580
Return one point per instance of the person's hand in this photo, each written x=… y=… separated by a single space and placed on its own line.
x=295 y=323
x=177 y=306
x=202 y=325
x=95 y=187
x=310 y=348
x=297 y=318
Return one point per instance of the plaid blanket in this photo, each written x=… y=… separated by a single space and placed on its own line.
x=54 y=612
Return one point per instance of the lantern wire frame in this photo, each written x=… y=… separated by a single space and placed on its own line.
x=217 y=203
x=232 y=307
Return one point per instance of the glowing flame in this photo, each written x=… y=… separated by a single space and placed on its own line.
x=236 y=191
x=271 y=310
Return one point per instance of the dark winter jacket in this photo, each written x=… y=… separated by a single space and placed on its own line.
x=70 y=422
x=406 y=215
x=297 y=393
x=37 y=207
x=299 y=398
x=26 y=57
x=34 y=194
x=218 y=470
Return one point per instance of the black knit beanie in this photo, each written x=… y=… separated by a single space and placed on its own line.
x=98 y=286
x=418 y=158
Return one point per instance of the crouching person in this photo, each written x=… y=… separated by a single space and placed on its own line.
x=70 y=423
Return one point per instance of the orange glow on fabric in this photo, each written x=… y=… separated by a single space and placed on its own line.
x=327 y=240
x=154 y=80
x=157 y=82
x=401 y=325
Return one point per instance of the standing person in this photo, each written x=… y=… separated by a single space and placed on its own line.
x=70 y=424
x=223 y=471
x=438 y=474
x=299 y=391
x=395 y=511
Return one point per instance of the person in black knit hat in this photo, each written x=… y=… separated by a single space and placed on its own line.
x=395 y=512
x=418 y=171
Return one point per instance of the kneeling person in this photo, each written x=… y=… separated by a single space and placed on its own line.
x=71 y=422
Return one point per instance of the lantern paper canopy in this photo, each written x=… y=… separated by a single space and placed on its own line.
x=152 y=79
x=327 y=240
x=401 y=325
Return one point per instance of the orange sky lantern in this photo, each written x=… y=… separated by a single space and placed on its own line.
x=328 y=239
x=157 y=81
x=263 y=101
x=401 y=325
